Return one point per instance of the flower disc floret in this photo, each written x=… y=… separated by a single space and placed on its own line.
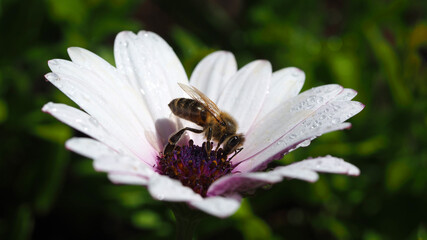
x=191 y=166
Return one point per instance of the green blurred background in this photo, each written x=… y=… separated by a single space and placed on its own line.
x=378 y=48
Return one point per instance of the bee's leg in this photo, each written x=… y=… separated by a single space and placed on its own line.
x=220 y=141
x=235 y=153
x=208 y=142
x=175 y=138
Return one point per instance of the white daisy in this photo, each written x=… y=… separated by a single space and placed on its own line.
x=126 y=114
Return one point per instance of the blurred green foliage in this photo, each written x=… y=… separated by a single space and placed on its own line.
x=376 y=47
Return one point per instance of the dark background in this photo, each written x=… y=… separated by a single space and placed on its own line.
x=378 y=48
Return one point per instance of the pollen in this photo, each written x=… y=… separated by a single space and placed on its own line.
x=190 y=165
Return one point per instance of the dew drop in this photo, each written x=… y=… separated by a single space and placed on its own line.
x=49 y=107
x=296 y=73
x=281 y=142
x=53 y=62
x=322 y=117
x=120 y=151
x=304 y=143
x=142 y=91
x=86 y=97
x=82 y=124
x=335 y=120
x=160 y=196
x=94 y=121
x=71 y=92
x=315 y=124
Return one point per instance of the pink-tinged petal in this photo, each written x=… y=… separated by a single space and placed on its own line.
x=152 y=68
x=327 y=164
x=279 y=122
x=305 y=170
x=212 y=73
x=247 y=182
x=118 y=178
x=218 y=206
x=100 y=100
x=285 y=84
x=242 y=182
x=166 y=189
x=245 y=92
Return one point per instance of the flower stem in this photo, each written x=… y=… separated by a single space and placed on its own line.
x=186 y=220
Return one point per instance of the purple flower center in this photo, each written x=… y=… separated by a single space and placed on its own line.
x=191 y=165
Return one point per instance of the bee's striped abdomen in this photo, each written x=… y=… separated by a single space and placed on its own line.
x=190 y=110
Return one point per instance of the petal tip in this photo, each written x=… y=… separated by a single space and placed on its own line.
x=354 y=171
x=48 y=107
x=52 y=63
x=51 y=76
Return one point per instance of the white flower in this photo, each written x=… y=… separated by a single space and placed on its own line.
x=127 y=115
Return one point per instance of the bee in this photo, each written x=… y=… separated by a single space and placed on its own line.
x=216 y=124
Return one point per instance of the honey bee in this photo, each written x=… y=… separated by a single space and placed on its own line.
x=217 y=125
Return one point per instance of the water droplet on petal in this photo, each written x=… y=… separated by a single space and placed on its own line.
x=296 y=73
x=280 y=142
x=160 y=196
x=49 y=107
x=322 y=117
x=304 y=143
x=94 y=121
x=142 y=91
x=335 y=120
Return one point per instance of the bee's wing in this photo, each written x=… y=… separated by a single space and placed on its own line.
x=196 y=94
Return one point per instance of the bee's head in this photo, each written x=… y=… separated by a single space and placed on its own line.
x=233 y=142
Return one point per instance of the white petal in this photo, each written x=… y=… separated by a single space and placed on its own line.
x=283 y=119
x=245 y=92
x=285 y=84
x=290 y=142
x=327 y=119
x=346 y=95
x=84 y=123
x=212 y=73
x=118 y=178
x=114 y=83
x=218 y=206
x=123 y=164
x=166 y=189
x=152 y=68
x=89 y=147
x=327 y=164
x=109 y=160
x=102 y=101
